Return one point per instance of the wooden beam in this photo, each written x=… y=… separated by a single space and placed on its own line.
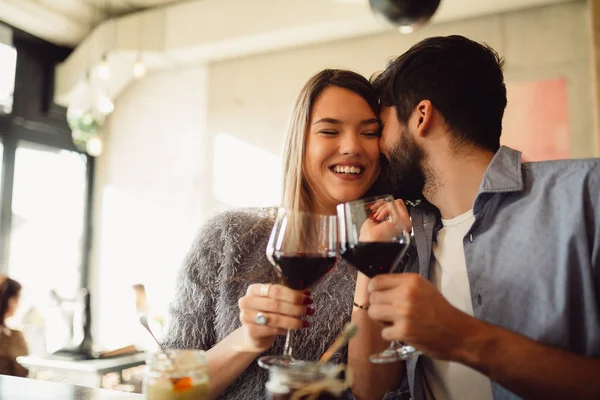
x=594 y=12
x=77 y=10
x=40 y=21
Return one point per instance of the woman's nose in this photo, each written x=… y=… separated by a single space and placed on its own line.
x=350 y=145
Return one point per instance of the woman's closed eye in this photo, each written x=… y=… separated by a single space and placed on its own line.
x=372 y=133
x=328 y=132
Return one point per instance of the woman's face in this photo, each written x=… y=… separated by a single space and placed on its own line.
x=342 y=149
x=13 y=303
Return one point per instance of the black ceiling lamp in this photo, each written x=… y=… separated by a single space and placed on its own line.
x=407 y=15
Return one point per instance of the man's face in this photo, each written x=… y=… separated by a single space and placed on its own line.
x=404 y=174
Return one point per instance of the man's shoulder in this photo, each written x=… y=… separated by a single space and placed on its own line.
x=580 y=165
x=585 y=171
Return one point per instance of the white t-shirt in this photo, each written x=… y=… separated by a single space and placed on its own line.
x=450 y=380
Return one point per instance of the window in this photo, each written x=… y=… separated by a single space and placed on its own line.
x=48 y=210
x=8 y=64
x=45 y=190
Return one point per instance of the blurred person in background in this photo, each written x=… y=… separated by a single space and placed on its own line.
x=141 y=298
x=12 y=342
x=155 y=320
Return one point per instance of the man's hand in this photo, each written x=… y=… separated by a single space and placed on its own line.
x=416 y=313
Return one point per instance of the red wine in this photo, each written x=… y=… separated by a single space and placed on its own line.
x=288 y=396
x=302 y=271
x=374 y=258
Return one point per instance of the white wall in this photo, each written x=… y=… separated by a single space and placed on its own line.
x=149 y=195
x=160 y=176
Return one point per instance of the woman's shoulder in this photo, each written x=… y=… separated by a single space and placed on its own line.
x=10 y=333
x=12 y=341
x=238 y=219
x=230 y=249
x=235 y=225
x=227 y=233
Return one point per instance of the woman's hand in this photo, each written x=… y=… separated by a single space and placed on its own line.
x=270 y=310
x=385 y=222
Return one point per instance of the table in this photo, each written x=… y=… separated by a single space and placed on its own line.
x=90 y=372
x=12 y=388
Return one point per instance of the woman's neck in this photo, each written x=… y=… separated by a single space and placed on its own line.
x=322 y=208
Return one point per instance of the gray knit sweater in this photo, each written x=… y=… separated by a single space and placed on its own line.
x=228 y=256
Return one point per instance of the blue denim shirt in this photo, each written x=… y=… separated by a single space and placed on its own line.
x=532 y=254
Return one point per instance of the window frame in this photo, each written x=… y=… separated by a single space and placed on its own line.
x=36 y=118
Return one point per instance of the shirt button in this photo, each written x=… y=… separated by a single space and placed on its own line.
x=471 y=238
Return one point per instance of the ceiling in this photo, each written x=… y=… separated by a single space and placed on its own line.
x=171 y=33
x=68 y=22
x=117 y=7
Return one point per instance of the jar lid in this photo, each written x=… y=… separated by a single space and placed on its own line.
x=309 y=378
x=178 y=360
x=308 y=370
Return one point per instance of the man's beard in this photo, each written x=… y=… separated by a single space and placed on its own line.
x=403 y=174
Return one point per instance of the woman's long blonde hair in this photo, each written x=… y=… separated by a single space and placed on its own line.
x=296 y=191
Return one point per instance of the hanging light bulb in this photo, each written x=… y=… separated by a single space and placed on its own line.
x=139 y=68
x=94 y=146
x=104 y=68
x=105 y=106
x=407 y=15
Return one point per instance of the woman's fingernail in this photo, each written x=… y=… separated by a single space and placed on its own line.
x=310 y=311
x=307 y=292
x=305 y=324
x=308 y=301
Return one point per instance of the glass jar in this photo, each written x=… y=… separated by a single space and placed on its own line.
x=308 y=381
x=184 y=378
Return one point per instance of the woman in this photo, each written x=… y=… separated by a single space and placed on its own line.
x=331 y=156
x=12 y=342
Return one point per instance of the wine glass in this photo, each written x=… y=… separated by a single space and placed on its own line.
x=373 y=238
x=302 y=248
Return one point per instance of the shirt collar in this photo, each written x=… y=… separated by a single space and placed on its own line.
x=504 y=173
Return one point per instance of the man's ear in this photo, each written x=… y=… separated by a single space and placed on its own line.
x=424 y=114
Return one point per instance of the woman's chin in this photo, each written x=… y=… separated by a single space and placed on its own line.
x=349 y=196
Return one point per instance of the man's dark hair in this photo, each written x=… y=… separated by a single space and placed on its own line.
x=463 y=80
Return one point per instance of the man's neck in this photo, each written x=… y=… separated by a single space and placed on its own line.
x=454 y=181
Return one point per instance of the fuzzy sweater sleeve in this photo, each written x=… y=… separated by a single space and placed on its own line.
x=191 y=323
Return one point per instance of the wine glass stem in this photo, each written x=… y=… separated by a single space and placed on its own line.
x=288 y=347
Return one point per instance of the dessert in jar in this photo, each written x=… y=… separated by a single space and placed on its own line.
x=303 y=380
x=181 y=376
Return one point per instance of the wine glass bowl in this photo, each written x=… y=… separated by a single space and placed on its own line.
x=301 y=271
x=302 y=248
x=374 y=236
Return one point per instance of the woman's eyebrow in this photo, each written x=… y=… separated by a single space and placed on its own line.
x=338 y=122
x=328 y=121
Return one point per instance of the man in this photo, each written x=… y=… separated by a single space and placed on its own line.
x=507 y=300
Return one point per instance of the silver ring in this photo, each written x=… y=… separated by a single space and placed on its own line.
x=261 y=319
x=264 y=290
